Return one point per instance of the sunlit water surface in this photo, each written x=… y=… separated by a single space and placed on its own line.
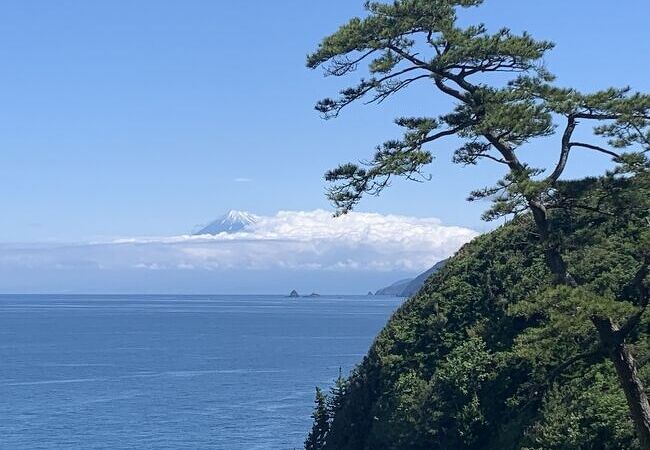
x=173 y=372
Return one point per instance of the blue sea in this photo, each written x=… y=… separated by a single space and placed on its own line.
x=173 y=372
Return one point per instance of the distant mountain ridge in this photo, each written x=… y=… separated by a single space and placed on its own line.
x=231 y=222
x=396 y=288
x=410 y=286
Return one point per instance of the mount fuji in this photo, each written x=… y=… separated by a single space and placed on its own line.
x=231 y=222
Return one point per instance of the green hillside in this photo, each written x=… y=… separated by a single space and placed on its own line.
x=488 y=355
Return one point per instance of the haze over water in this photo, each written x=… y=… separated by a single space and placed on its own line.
x=173 y=372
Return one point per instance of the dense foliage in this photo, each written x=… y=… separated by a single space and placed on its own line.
x=504 y=99
x=318 y=435
x=491 y=354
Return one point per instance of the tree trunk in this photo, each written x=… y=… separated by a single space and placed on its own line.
x=628 y=377
x=612 y=339
x=554 y=259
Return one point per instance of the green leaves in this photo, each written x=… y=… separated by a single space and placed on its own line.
x=385 y=63
x=511 y=115
x=500 y=333
x=492 y=355
x=474 y=50
x=386 y=40
x=393 y=158
x=419 y=41
x=404 y=158
x=316 y=440
x=583 y=413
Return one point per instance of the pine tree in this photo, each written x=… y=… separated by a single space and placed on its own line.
x=318 y=435
x=404 y=42
x=337 y=394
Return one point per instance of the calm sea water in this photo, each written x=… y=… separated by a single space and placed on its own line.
x=173 y=372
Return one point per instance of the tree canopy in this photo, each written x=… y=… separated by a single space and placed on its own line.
x=419 y=41
x=492 y=355
x=504 y=99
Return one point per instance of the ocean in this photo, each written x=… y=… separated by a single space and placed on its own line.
x=174 y=372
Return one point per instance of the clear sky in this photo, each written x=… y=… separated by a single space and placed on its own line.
x=129 y=118
x=148 y=117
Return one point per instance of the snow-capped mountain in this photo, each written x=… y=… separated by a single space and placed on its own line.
x=232 y=222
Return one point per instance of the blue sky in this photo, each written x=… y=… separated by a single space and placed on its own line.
x=122 y=118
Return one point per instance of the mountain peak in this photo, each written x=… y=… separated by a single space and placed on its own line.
x=231 y=222
x=241 y=216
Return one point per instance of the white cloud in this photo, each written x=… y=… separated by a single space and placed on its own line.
x=289 y=240
x=242 y=180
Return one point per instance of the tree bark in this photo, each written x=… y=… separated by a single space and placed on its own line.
x=554 y=258
x=628 y=377
x=611 y=337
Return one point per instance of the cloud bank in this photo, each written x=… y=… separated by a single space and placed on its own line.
x=289 y=240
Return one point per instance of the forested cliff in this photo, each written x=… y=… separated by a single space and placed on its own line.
x=490 y=354
x=533 y=336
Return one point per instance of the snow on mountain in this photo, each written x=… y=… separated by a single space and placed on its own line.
x=231 y=222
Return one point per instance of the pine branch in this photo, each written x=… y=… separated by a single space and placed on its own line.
x=597 y=148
